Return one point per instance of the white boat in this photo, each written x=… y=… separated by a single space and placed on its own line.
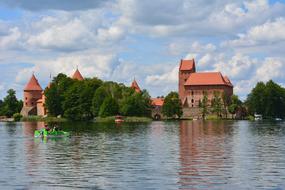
x=257 y=117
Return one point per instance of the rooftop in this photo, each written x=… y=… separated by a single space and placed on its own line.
x=77 y=75
x=33 y=85
x=207 y=78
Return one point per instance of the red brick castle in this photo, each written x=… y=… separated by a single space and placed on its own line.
x=194 y=85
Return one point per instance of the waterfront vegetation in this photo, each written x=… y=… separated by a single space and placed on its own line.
x=99 y=101
x=10 y=104
x=267 y=99
x=90 y=98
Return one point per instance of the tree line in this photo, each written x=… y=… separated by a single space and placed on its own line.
x=89 y=98
x=267 y=99
x=10 y=104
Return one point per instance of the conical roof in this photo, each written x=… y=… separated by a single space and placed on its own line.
x=135 y=86
x=77 y=75
x=33 y=85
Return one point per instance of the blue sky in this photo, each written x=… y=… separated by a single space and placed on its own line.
x=122 y=39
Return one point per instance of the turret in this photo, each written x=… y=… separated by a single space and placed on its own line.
x=77 y=75
x=185 y=69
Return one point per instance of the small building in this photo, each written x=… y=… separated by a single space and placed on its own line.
x=194 y=85
x=156 y=111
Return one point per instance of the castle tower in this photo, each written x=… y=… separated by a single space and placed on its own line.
x=135 y=86
x=77 y=75
x=32 y=93
x=185 y=69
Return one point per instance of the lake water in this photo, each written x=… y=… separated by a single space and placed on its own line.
x=159 y=155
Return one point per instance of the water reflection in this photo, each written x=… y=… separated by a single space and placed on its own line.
x=160 y=155
x=202 y=153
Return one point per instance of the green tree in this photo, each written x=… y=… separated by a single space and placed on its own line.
x=11 y=105
x=267 y=99
x=204 y=105
x=256 y=100
x=109 y=107
x=235 y=105
x=217 y=104
x=98 y=99
x=136 y=104
x=55 y=94
x=172 y=105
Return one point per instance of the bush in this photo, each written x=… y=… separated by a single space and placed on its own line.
x=17 y=117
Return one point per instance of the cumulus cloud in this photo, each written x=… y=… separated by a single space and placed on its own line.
x=108 y=39
x=268 y=33
x=36 y=5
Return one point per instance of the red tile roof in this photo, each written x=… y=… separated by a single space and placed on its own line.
x=227 y=80
x=135 y=86
x=157 y=101
x=207 y=78
x=186 y=65
x=77 y=75
x=33 y=85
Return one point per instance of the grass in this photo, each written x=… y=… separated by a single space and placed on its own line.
x=44 y=119
x=111 y=119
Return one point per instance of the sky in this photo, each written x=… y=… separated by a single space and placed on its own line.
x=120 y=40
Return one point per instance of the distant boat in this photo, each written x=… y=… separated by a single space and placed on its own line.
x=119 y=119
x=257 y=117
x=278 y=119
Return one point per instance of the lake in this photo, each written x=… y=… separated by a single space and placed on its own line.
x=159 y=155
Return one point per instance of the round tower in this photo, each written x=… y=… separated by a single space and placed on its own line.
x=32 y=92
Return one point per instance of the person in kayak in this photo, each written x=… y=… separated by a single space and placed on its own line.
x=47 y=128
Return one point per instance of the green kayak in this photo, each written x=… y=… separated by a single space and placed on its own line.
x=53 y=133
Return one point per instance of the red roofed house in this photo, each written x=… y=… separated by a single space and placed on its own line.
x=157 y=104
x=34 y=98
x=193 y=85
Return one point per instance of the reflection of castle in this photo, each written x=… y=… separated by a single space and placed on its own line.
x=34 y=98
x=202 y=153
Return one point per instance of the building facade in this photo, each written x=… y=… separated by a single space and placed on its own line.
x=192 y=86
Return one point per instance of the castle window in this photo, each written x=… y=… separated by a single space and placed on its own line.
x=26 y=98
x=192 y=105
x=185 y=80
x=192 y=93
x=192 y=101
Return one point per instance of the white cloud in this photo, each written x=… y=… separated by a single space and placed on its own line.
x=268 y=33
x=11 y=40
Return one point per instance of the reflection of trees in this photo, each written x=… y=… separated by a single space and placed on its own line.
x=202 y=153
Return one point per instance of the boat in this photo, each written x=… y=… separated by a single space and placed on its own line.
x=53 y=133
x=257 y=117
x=119 y=119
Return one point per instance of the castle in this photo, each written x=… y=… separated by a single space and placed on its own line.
x=34 y=98
x=192 y=86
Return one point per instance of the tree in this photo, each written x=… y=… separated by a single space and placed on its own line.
x=55 y=94
x=235 y=105
x=136 y=104
x=11 y=105
x=217 y=104
x=256 y=99
x=204 y=105
x=109 y=107
x=267 y=99
x=172 y=106
x=98 y=99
